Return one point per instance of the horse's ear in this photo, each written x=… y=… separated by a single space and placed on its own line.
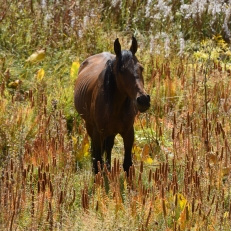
x=134 y=45
x=117 y=47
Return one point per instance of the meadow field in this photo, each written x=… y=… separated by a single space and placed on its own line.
x=181 y=176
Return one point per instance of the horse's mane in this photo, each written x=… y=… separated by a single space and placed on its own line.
x=109 y=83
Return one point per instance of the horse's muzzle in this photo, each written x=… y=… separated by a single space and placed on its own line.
x=143 y=102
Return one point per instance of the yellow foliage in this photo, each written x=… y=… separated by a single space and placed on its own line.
x=228 y=53
x=86 y=149
x=40 y=74
x=125 y=183
x=212 y=49
x=74 y=69
x=220 y=42
x=37 y=56
x=215 y=53
x=226 y=214
x=74 y=141
x=182 y=201
x=184 y=208
x=149 y=160
x=14 y=84
x=199 y=55
x=136 y=150
x=81 y=150
x=142 y=154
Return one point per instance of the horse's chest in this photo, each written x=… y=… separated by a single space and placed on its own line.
x=115 y=124
x=123 y=121
x=118 y=118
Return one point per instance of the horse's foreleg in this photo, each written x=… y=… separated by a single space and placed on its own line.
x=128 y=139
x=108 y=145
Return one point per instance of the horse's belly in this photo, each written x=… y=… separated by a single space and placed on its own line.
x=83 y=94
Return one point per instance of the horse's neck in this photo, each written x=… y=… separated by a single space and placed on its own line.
x=120 y=101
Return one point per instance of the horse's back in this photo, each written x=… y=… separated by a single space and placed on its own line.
x=96 y=62
x=86 y=82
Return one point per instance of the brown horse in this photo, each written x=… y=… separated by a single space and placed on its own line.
x=109 y=91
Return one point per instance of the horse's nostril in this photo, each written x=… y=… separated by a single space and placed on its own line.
x=143 y=99
x=139 y=100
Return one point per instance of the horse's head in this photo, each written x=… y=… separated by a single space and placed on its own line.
x=129 y=78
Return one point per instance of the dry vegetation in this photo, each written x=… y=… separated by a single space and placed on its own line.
x=182 y=154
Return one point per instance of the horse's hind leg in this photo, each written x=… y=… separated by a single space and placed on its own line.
x=108 y=145
x=96 y=150
x=128 y=139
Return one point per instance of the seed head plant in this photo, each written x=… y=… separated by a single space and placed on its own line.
x=180 y=178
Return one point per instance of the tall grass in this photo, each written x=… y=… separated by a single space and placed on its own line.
x=181 y=174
